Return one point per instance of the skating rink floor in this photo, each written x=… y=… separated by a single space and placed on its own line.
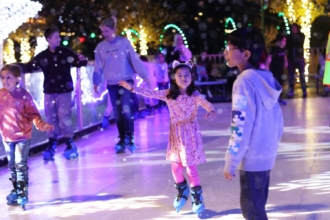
x=101 y=185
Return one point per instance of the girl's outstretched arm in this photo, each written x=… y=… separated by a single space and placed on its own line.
x=156 y=94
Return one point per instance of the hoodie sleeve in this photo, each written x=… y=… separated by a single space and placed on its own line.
x=98 y=70
x=242 y=120
x=32 y=113
x=136 y=62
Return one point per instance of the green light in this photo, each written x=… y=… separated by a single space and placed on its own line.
x=161 y=36
x=249 y=24
x=278 y=27
x=65 y=43
x=93 y=35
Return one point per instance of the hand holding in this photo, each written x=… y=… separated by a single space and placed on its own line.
x=95 y=89
x=126 y=85
x=81 y=57
x=229 y=176
x=47 y=127
x=210 y=115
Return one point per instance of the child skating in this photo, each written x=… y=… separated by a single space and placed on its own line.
x=185 y=147
x=18 y=112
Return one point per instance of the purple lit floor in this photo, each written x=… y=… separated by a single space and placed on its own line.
x=102 y=185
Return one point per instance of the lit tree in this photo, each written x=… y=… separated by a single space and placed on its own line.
x=9 y=52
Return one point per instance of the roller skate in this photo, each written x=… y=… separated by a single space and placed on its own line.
x=182 y=196
x=49 y=153
x=12 y=197
x=22 y=191
x=130 y=143
x=70 y=151
x=120 y=146
x=197 y=199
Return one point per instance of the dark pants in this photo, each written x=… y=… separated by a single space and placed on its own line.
x=292 y=66
x=162 y=86
x=254 y=194
x=122 y=104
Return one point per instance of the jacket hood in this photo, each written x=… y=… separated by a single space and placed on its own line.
x=269 y=89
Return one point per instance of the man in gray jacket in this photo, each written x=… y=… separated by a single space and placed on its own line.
x=115 y=60
x=256 y=124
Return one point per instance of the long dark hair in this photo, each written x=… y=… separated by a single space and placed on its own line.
x=174 y=91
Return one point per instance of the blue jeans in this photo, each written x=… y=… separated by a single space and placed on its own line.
x=122 y=104
x=17 y=155
x=254 y=194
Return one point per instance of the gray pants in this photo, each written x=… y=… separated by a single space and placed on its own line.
x=58 y=113
x=17 y=155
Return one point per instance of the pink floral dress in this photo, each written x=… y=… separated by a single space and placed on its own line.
x=185 y=140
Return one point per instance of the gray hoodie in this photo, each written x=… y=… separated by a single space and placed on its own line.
x=257 y=122
x=116 y=60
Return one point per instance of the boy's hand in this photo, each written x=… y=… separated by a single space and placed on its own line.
x=47 y=127
x=210 y=115
x=95 y=89
x=229 y=176
x=81 y=57
x=126 y=85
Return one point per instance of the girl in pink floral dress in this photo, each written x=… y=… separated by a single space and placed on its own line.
x=185 y=147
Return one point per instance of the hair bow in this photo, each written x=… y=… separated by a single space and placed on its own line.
x=188 y=63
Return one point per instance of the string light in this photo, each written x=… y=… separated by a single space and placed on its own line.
x=233 y=24
x=12 y=15
x=286 y=22
x=306 y=29
x=9 y=52
x=42 y=45
x=129 y=37
x=143 y=43
x=25 y=50
x=180 y=32
x=292 y=16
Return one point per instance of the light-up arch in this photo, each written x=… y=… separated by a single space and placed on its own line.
x=233 y=24
x=132 y=32
x=286 y=22
x=178 y=30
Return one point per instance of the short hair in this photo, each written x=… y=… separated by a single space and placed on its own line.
x=251 y=39
x=14 y=69
x=109 y=22
x=50 y=31
x=279 y=37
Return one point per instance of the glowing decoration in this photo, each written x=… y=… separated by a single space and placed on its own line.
x=129 y=37
x=93 y=35
x=286 y=22
x=326 y=77
x=232 y=22
x=42 y=45
x=9 y=53
x=12 y=15
x=25 y=50
x=180 y=32
x=306 y=29
x=143 y=43
x=292 y=16
x=65 y=42
x=132 y=32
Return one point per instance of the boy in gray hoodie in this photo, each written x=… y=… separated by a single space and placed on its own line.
x=256 y=124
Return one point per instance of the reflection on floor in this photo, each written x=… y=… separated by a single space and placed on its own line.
x=103 y=185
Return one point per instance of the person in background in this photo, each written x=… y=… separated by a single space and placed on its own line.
x=277 y=61
x=161 y=74
x=116 y=60
x=296 y=60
